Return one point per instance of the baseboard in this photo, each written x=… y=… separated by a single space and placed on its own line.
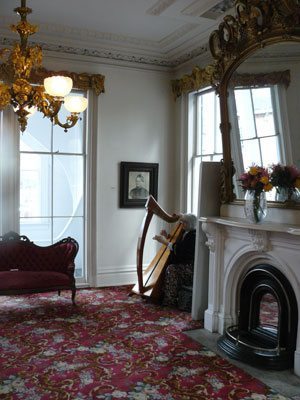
x=116 y=278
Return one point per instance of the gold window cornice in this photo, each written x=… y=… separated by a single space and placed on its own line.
x=81 y=81
x=198 y=79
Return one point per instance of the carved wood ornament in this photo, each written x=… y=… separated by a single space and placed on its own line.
x=81 y=81
x=199 y=78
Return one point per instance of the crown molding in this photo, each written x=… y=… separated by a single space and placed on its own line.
x=48 y=32
x=115 y=54
x=177 y=34
x=169 y=52
x=159 y=7
x=198 y=7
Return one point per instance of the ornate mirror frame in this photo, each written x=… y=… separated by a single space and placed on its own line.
x=258 y=23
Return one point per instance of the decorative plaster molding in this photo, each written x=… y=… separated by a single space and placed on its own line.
x=167 y=52
x=159 y=7
x=189 y=55
x=222 y=6
x=115 y=54
x=196 y=8
x=64 y=31
x=260 y=240
x=199 y=9
x=177 y=34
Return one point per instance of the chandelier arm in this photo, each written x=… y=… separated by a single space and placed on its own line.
x=50 y=109
x=71 y=121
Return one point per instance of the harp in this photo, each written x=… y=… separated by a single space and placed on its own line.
x=149 y=284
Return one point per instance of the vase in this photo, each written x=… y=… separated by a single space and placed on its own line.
x=255 y=206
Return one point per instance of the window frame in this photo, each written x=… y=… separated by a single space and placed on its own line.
x=10 y=182
x=281 y=128
x=195 y=157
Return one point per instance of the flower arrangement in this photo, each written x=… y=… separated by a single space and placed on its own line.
x=256 y=179
x=286 y=180
x=285 y=176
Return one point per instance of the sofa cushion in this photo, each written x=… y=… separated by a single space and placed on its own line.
x=19 y=280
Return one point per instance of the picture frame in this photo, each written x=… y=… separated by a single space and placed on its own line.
x=137 y=182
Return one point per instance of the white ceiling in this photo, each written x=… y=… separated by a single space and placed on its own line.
x=159 y=32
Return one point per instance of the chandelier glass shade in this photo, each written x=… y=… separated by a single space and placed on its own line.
x=25 y=97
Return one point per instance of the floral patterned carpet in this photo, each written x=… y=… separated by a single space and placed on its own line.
x=110 y=346
x=269 y=310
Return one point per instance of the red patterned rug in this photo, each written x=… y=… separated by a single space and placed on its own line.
x=269 y=310
x=110 y=346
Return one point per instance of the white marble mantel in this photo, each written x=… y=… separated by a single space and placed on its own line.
x=235 y=246
x=243 y=223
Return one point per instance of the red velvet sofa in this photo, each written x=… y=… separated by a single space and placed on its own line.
x=28 y=268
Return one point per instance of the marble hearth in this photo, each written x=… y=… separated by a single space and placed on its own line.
x=236 y=246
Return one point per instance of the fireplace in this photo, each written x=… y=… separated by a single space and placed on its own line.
x=250 y=265
x=266 y=332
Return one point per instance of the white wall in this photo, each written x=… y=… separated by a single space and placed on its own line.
x=135 y=123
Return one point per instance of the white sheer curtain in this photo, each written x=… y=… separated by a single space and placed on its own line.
x=9 y=171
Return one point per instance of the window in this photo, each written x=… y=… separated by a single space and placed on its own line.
x=257 y=129
x=204 y=137
x=52 y=183
x=256 y=117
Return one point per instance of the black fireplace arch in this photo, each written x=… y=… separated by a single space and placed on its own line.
x=249 y=340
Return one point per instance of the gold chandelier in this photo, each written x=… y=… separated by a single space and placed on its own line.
x=26 y=98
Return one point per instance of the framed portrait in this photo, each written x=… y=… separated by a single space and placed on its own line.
x=137 y=182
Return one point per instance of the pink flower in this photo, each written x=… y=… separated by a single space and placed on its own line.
x=256 y=179
x=285 y=176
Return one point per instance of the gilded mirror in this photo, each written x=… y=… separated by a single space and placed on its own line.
x=239 y=40
x=264 y=104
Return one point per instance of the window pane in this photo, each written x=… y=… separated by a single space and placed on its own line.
x=68 y=185
x=39 y=230
x=35 y=185
x=219 y=146
x=195 y=189
x=251 y=153
x=244 y=113
x=208 y=123
x=270 y=150
x=74 y=227
x=217 y=157
x=37 y=136
x=263 y=110
x=199 y=125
